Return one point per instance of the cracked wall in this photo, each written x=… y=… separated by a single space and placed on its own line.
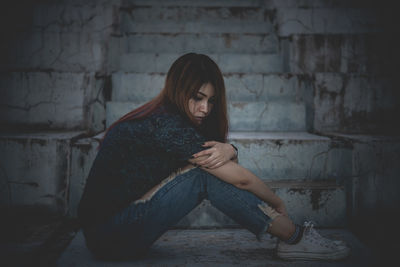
x=35 y=170
x=318 y=66
x=53 y=67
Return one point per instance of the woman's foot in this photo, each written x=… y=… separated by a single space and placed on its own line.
x=313 y=246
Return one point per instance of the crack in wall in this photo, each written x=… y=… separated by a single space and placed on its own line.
x=312 y=163
x=28 y=107
x=280 y=156
x=256 y=164
x=257 y=94
x=295 y=20
x=64 y=22
x=259 y=125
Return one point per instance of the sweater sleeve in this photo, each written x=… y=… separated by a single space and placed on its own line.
x=177 y=137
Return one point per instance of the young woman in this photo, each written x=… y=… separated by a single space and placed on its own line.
x=158 y=162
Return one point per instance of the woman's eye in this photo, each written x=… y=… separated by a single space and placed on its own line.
x=196 y=98
x=211 y=101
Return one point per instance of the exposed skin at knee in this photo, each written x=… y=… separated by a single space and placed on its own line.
x=152 y=191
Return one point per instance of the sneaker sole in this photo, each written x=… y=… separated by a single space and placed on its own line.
x=301 y=255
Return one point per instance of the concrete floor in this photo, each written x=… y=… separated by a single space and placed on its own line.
x=222 y=247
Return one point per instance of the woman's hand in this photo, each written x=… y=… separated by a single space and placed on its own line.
x=217 y=154
x=281 y=208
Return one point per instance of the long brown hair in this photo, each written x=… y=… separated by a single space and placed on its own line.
x=184 y=79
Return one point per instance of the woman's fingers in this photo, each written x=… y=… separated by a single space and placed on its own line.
x=206 y=161
x=215 y=163
x=211 y=160
x=210 y=163
x=218 y=164
x=210 y=143
x=213 y=157
x=203 y=153
x=197 y=160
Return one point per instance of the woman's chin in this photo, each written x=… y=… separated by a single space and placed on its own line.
x=198 y=122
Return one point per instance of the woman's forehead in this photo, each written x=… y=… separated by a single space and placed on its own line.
x=207 y=90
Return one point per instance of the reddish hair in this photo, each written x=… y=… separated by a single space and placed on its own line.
x=184 y=79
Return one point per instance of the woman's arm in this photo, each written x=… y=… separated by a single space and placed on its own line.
x=236 y=160
x=217 y=154
x=244 y=179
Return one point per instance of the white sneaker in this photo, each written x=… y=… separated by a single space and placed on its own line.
x=336 y=242
x=313 y=246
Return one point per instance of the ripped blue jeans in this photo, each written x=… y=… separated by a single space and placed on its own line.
x=132 y=231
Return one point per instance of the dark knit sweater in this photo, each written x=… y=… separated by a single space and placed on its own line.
x=135 y=156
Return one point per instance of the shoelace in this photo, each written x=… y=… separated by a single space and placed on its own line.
x=315 y=237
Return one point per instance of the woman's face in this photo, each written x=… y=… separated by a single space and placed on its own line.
x=202 y=103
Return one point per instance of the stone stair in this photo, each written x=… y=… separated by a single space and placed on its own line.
x=36 y=171
x=222 y=247
x=266 y=104
x=291 y=71
x=51 y=96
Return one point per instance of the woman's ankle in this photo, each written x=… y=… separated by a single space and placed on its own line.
x=296 y=236
x=282 y=227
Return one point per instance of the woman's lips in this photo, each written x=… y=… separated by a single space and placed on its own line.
x=199 y=119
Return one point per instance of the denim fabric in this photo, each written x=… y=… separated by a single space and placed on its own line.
x=123 y=169
x=131 y=232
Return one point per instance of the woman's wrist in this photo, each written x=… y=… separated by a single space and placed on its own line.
x=236 y=152
x=278 y=201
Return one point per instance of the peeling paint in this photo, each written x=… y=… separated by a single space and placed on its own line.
x=278 y=143
x=300 y=191
x=240 y=105
x=315 y=199
x=241 y=12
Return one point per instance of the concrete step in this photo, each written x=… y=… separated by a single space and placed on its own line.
x=35 y=170
x=63 y=51
x=243 y=116
x=323 y=202
x=266 y=116
x=191 y=3
x=292 y=155
x=239 y=87
x=309 y=172
x=375 y=169
x=200 y=14
x=228 y=63
x=221 y=247
x=206 y=43
x=222 y=26
x=32 y=239
x=83 y=153
x=58 y=17
x=50 y=100
x=329 y=21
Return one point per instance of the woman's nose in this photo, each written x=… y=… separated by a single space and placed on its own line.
x=204 y=107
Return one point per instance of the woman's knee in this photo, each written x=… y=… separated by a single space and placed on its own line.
x=187 y=170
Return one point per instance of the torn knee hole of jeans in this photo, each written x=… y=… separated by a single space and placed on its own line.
x=268 y=210
x=160 y=185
